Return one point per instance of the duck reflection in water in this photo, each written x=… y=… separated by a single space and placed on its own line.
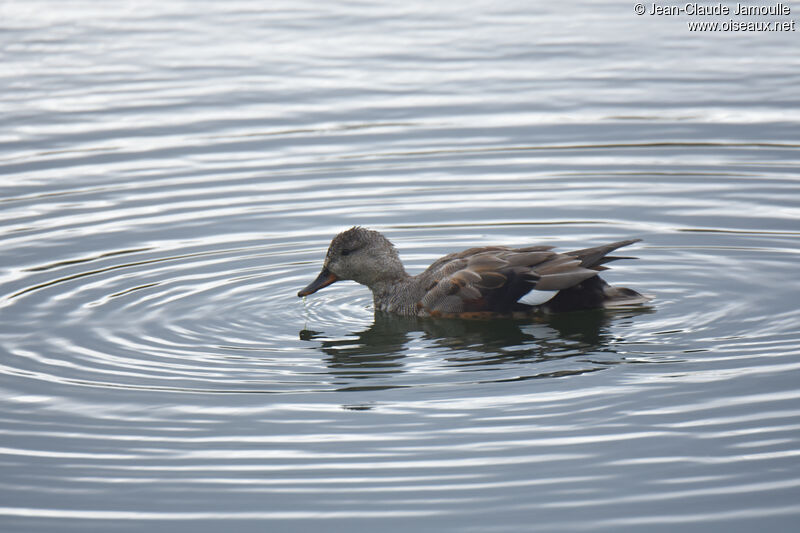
x=381 y=348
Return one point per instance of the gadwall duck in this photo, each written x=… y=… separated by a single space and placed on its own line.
x=478 y=282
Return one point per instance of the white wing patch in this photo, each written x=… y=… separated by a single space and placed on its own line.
x=537 y=297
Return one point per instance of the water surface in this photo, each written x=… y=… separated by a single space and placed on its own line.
x=172 y=173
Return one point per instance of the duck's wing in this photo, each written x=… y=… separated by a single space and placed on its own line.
x=503 y=280
x=496 y=279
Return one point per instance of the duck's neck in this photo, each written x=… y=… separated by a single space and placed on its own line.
x=389 y=282
x=386 y=277
x=389 y=293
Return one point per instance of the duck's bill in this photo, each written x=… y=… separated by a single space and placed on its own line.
x=324 y=279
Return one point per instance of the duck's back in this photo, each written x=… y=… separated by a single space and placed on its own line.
x=500 y=280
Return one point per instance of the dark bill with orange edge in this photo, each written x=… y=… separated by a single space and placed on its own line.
x=324 y=279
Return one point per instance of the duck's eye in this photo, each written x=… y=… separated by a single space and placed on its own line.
x=345 y=252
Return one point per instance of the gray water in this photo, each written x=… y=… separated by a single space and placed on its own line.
x=172 y=173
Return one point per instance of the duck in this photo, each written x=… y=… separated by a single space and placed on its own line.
x=480 y=282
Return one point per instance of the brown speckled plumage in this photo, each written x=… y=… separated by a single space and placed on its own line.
x=475 y=282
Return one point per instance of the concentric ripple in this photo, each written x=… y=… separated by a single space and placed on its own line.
x=225 y=318
x=154 y=344
x=220 y=314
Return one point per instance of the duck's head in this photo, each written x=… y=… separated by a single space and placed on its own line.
x=360 y=255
